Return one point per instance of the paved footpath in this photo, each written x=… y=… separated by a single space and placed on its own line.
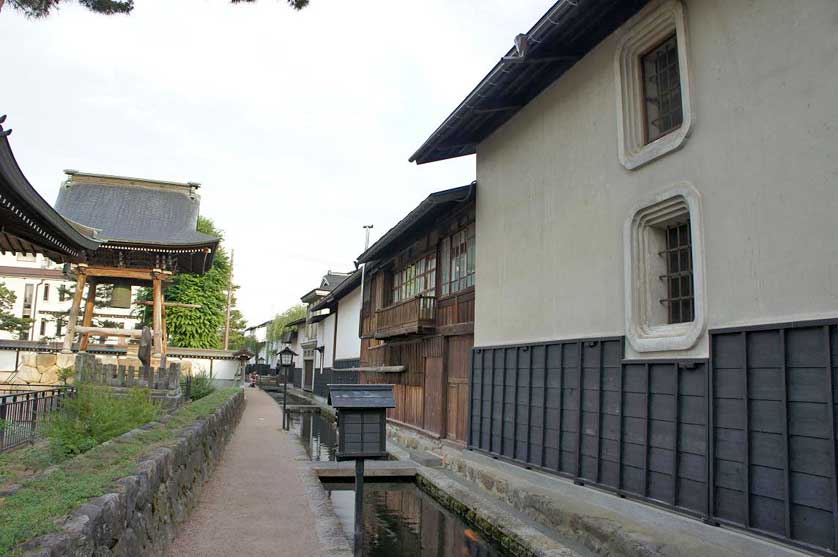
x=255 y=502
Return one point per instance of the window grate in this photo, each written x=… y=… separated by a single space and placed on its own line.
x=662 y=89
x=680 y=298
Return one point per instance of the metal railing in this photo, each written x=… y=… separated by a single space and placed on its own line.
x=23 y=415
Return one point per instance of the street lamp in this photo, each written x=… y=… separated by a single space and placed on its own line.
x=286 y=360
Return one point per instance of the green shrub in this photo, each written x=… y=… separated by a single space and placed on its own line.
x=65 y=374
x=201 y=386
x=96 y=414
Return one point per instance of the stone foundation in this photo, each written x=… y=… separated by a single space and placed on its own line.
x=141 y=514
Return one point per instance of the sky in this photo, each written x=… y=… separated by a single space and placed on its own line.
x=298 y=125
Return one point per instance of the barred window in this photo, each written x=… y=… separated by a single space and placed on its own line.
x=662 y=89
x=679 y=273
x=418 y=278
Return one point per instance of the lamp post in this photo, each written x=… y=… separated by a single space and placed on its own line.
x=286 y=360
x=362 y=433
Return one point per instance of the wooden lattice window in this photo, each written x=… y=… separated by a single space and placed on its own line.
x=457 y=260
x=662 y=89
x=415 y=279
x=680 y=300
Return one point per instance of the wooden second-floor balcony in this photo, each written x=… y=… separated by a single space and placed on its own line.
x=413 y=316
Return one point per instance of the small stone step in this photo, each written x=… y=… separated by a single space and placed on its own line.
x=425 y=458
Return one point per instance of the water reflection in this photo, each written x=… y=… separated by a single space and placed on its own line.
x=318 y=435
x=400 y=519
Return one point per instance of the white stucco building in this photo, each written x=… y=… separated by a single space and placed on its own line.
x=656 y=215
x=41 y=291
x=329 y=340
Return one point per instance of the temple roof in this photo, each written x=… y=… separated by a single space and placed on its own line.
x=29 y=223
x=134 y=211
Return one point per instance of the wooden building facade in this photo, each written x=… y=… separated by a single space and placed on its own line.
x=417 y=313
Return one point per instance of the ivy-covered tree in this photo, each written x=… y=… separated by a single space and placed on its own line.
x=43 y=8
x=8 y=321
x=200 y=327
x=279 y=326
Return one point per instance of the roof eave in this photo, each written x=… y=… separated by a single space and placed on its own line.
x=412 y=218
x=12 y=175
x=602 y=16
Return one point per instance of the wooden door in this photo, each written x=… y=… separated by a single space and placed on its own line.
x=458 y=358
x=308 y=377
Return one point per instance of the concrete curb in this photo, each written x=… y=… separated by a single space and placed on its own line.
x=140 y=516
x=329 y=531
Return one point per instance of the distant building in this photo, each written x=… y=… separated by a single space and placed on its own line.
x=318 y=332
x=43 y=294
x=264 y=353
x=417 y=317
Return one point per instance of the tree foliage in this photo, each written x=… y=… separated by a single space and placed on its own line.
x=280 y=322
x=8 y=321
x=43 y=8
x=201 y=327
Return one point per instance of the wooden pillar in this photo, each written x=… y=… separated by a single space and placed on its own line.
x=164 y=331
x=157 y=315
x=74 y=310
x=87 y=320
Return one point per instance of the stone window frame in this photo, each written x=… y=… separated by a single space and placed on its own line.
x=644 y=31
x=645 y=331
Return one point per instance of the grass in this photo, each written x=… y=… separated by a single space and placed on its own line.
x=35 y=508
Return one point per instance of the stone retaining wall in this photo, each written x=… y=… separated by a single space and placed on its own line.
x=140 y=516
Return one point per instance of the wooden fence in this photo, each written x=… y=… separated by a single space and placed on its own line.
x=91 y=370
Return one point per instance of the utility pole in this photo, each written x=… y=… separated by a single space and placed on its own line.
x=229 y=299
x=367 y=240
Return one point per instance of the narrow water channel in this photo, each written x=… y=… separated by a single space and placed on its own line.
x=399 y=519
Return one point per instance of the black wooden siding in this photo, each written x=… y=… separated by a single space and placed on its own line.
x=642 y=430
x=334 y=376
x=624 y=439
x=774 y=431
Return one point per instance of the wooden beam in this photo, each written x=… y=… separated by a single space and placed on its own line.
x=109 y=331
x=136 y=274
x=157 y=314
x=87 y=321
x=378 y=369
x=74 y=311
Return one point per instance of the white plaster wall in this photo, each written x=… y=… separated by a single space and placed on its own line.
x=553 y=197
x=221 y=369
x=327 y=335
x=7 y=360
x=349 y=315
